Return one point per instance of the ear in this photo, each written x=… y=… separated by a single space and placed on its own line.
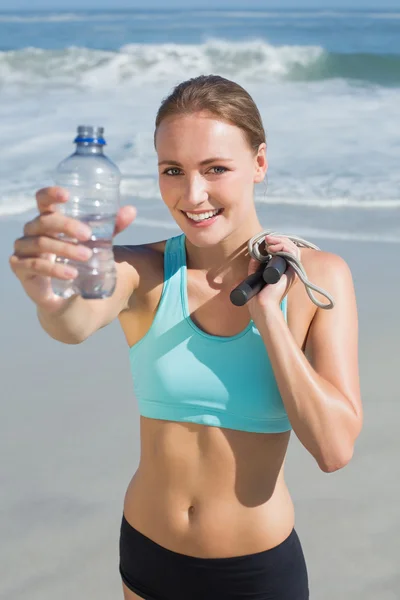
x=261 y=164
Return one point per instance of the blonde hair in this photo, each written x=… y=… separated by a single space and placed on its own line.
x=221 y=97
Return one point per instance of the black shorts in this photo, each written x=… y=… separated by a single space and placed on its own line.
x=157 y=573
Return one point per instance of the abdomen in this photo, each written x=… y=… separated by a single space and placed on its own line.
x=210 y=492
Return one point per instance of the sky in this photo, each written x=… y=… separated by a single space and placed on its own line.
x=14 y=5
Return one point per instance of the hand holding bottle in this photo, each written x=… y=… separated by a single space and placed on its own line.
x=33 y=261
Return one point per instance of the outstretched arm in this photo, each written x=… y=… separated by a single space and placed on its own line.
x=73 y=319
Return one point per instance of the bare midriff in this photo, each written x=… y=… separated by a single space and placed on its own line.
x=208 y=491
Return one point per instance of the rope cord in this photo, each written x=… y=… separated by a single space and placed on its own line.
x=254 y=245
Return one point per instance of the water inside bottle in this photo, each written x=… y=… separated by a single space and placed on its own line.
x=97 y=276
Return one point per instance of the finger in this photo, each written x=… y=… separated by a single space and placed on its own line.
x=48 y=198
x=278 y=247
x=54 y=224
x=37 y=245
x=272 y=239
x=254 y=265
x=283 y=245
x=278 y=240
x=25 y=268
x=275 y=244
x=126 y=215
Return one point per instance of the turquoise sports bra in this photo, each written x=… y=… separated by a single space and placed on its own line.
x=181 y=373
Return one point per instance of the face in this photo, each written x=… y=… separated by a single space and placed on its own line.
x=206 y=165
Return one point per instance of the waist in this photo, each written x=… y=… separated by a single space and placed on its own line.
x=205 y=491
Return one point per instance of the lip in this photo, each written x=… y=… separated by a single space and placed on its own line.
x=200 y=212
x=205 y=223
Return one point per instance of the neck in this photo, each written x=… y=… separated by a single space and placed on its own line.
x=226 y=263
x=87 y=149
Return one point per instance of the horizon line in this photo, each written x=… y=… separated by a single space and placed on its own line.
x=202 y=8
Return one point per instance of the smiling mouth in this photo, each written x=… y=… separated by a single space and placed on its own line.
x=197 y=218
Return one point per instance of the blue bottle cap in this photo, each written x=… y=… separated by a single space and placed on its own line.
x=90 y=135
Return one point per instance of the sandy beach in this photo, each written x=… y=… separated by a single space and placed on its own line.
x=69 y=443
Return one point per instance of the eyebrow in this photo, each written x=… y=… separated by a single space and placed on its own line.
x=203 y=162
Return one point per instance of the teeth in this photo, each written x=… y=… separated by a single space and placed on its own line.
x=202 y=216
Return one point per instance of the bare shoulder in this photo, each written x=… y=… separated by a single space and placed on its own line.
x=320 y=261
x=328 y=271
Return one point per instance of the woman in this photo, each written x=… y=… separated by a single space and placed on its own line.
x=207 y=515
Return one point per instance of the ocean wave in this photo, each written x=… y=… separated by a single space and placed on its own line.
x=141 y=63
x=16 y=204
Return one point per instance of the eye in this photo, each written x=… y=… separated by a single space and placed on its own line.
x=174 y=171
x=223 y=170
x=166 y=172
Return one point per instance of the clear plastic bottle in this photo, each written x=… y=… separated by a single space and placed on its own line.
x=92 y=181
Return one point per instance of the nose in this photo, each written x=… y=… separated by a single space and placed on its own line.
x=195 y=191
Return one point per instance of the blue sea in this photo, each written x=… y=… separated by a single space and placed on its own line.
x=327 y=84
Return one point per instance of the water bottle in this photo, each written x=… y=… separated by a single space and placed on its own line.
x=92 y=181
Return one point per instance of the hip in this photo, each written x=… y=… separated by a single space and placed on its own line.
x=156 y=573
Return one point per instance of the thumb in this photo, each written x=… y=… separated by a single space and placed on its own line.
x=254 y=265
x=125 y=216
